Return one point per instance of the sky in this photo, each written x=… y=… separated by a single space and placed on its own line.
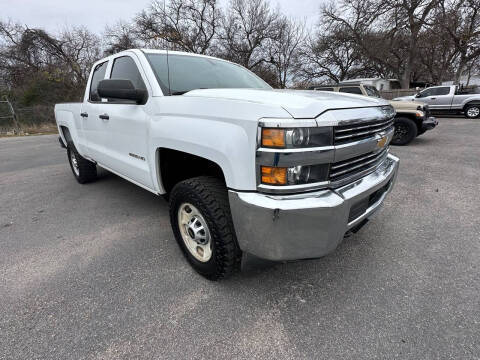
x=54 y=15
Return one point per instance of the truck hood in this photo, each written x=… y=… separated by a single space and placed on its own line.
x=405 y=105
x=300 y=104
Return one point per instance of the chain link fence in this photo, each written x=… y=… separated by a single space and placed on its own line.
x=15 y=119
x=392 y=94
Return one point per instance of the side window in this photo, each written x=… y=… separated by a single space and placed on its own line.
x=372 y=91
x=442 y=91
x=125 y=68
x=426 y=92
x=351 y=90
x=324 y=89
x=98 y=74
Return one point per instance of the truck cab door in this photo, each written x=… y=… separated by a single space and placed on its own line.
x=125 y=126
x=441 y=99
x=93 y=129
x=425 y=96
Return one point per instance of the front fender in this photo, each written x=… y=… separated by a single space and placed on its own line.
x=230 y=145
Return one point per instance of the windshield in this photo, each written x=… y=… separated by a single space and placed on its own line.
x=372 y=91
x=194 y=72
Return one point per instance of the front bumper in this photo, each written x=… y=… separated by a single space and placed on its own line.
x=429 y=123
x=288 y=227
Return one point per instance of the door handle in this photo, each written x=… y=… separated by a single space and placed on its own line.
x=432 y=98
x=104 y=117
x=84 y=114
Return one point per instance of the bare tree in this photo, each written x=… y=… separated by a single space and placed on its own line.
x=188 y=25
x=247 y=27
x=410 y=17
x=284 y=49
x=359 y=23
x=32 y=56
x=397 y=22
x=437 y=52
x=413 y=40
x=121 y=36
x=78 y=48
x=460 y=20
x=330 y=56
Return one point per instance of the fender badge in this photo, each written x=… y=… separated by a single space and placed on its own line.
x=137 y=156
x=382 y=142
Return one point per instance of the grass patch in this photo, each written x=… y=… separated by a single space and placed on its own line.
x=42 y=129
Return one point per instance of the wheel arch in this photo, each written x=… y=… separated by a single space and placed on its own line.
x=412 y=117
x=69 y=127
x=173 y=166
x=65 y=135
x=472 y=102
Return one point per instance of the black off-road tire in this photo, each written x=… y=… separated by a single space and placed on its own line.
x=86 y=171
x=209 y=195
x=405 y=131
x=472 y=111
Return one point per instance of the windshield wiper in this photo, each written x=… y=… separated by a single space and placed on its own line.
x=185 y=91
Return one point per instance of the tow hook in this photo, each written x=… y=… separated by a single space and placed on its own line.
x=355 y=229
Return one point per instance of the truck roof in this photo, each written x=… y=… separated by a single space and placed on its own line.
x=174 y=52
x=158 y=51
x=362 y=79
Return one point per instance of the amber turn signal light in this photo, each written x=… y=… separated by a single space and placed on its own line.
x=273 y=137
x=274 y=175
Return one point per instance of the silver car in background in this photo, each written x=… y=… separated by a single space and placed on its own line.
x=451 y=99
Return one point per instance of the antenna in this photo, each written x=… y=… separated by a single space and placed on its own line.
x=166 y=43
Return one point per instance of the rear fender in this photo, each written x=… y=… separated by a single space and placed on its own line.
x=66 y=119
x=471 y=102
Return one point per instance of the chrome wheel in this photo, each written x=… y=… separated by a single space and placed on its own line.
x=74 y=162
x=473 y=112
x=194 y=231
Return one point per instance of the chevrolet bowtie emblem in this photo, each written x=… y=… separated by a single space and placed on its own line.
x=382 y=142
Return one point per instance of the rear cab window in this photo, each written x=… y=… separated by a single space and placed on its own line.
x=351 y=90
x=324 y=88
x=442 y=91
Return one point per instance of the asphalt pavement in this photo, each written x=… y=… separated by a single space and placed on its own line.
x=93 y=271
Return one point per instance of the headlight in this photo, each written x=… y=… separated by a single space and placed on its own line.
x=295 y=175
x=292 y=138
x=389 y=111
x=419 y=114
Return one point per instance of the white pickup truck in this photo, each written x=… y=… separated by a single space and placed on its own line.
x=247 y=169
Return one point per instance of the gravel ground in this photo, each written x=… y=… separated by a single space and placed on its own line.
x=93 y=271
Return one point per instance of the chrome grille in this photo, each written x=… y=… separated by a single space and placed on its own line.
x=358 y=131
x=357 y=165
